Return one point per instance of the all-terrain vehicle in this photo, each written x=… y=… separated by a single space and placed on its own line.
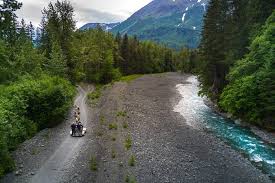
x=77 y=130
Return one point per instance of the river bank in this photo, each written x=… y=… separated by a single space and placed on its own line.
x=258 y=150
x=268 y=136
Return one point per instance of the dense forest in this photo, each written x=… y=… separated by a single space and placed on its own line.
x=237 y=55
x=39 y=68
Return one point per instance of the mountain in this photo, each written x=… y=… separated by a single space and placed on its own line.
x=104 y=26
x=176 y=23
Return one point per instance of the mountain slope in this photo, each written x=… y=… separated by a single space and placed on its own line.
x=176 y=23
x=104 y=26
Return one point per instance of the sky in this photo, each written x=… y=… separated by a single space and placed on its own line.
x=86 y=11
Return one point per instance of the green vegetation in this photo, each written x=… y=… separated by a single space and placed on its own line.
x=113 y=154
x=113 y=126
x=128 y=142
x=251 y=90
x=163 y=24
x=121 y=114
x=135 y=57
x=132 y=161
x=95 y=95
x=130 y=78
x=237 y=59
x=113 y=138
x=226 y=37
x=93 y=163
x=102 y=120
x=28 y=105
x=125 y=125
x=130 y=179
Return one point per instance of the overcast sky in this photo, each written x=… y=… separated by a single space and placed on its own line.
x=102 y=11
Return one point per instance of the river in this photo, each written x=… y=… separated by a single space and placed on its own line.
x=200 y=116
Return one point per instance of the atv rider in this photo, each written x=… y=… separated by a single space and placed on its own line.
x=79 y=126
x=77 y=114
x=73 y=127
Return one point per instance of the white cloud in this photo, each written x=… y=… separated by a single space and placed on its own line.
x=86 y=10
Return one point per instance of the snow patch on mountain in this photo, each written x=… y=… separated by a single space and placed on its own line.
x=183 y=17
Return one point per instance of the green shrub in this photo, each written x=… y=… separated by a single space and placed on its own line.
x=28 y=105
x=113 y=154
x=113 y=126
x=93 y=164
x=102 y=120
x=130 y=78
x=113 y=138
x=125 y=125
x=121 y=113
x=96 y=94
x=130 y=179
x=132 y=161
x=128 y=143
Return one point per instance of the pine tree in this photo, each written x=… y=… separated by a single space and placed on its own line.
x=58 y=27
x=8 y=20
x=125 y=54
x=211 y=47
x=57 y=63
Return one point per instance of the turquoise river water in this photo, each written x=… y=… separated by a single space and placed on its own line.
x=200 y=116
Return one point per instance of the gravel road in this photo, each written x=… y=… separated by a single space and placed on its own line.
x=140 y=113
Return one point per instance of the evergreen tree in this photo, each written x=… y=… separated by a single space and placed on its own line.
x=57 y=63
x=8 y=20
x=58 y=27
x=212 y=49
x=125 y=54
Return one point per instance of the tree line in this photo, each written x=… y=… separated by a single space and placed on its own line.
x=237 y=58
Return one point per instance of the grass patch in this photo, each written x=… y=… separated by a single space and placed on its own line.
x=102 y=120
x=128 y=143
x=93 y=163
x=132 y=161
x=130 y=78
x=125 y=125
x=121 y=113
x=113 y=154
x=113 y=138
x=130 y=179
x=96 y=94
x=113 y=126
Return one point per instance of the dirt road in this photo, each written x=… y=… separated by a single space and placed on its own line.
x=133 y=135
x=50 y=155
